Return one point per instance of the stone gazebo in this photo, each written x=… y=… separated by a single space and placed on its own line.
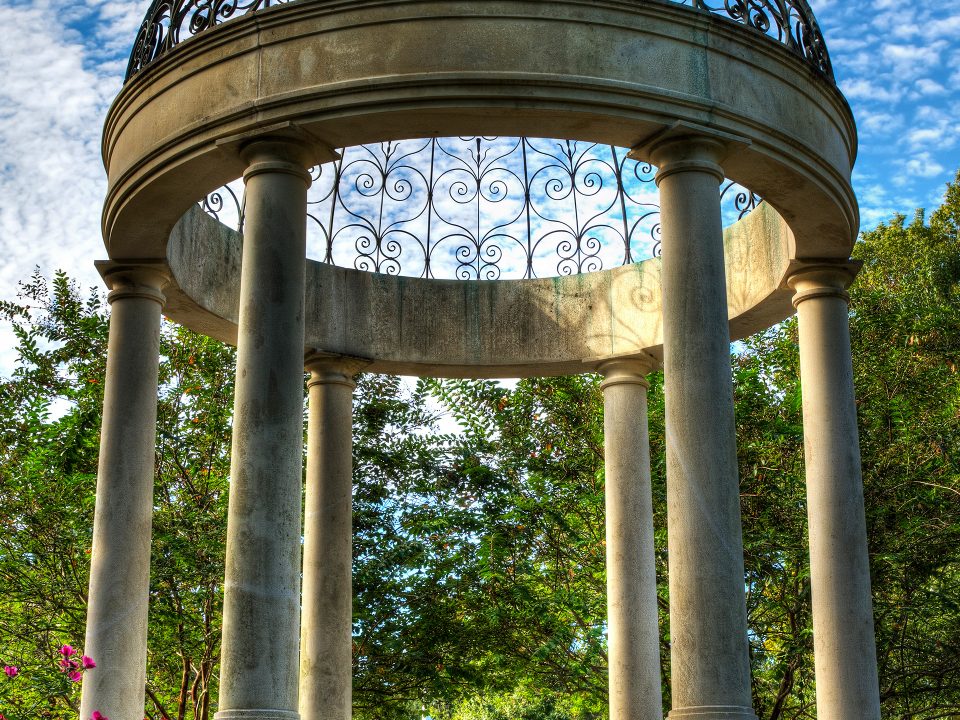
x=696 y=92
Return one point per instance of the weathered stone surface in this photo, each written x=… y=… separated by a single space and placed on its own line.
x=366 y=71
x=633 y=635
x=116 y=634
x=261 y=598
x=709 y=655
x=505 y=328
x=326 y=647
x=843 y=635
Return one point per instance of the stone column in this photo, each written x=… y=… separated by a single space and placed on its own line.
x=120 y=559
x=708 y=619
x=326 y=637
x=261 y=608
x=633 y=638
x=843 y=637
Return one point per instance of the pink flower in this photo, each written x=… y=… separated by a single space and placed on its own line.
x=75 y=676
x=11 y=670
x=97 y=715
x=87 y=662
x=67 y=650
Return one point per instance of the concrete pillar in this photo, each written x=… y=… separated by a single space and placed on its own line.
x=326 y=637
x=116 y=636
x=710 y=666
x=261 y=608
x=633 y=638
x=843 y=637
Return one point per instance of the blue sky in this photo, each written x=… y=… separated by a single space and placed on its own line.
x=62 y=63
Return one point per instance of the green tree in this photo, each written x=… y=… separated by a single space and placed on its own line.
x=539 y=468
x=479 y=573
x=47 y=460
x=907 y=351
x=49 y=436
x=49 y=430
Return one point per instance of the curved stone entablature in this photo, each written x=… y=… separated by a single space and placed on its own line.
x=169 y=22
x=346 y=74
x=499 y=328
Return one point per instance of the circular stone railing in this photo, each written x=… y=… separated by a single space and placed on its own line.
x=482 y=208
x=170 y=22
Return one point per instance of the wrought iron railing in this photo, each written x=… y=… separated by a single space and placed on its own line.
x=169 y=22
x=482 y=208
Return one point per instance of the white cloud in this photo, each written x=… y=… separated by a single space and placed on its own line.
x=926 y=86
x=50 y=117
x=879 y=122
x=910 y=61
x=868 y=90
x=923 y=165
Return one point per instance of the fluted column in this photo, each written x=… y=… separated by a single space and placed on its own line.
x=710 y=666
x=326 y=637
x=116 y=636
x=843 y=635
x=633 y=638
x=261 y=609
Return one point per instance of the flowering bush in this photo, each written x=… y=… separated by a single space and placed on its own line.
x=73 y=669
x=21 y=695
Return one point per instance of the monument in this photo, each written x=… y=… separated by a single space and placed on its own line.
x=219 y=91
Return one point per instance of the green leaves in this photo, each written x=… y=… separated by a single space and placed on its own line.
x=479 y=571
x=906 y=352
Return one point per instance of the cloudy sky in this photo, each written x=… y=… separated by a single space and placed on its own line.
x=61 y=63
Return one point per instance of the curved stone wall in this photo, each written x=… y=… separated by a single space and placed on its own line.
x=499 y=328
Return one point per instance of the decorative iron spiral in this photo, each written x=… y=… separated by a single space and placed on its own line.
x=169 y=22
x=482 y=208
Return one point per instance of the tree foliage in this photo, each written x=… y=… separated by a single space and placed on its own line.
x=479 y=575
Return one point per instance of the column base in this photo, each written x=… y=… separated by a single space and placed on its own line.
x=256 y=715
x=713 y=712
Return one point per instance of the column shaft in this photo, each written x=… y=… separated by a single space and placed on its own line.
x=116 y=636
x=633 y=638
x=259 y=658
x=843 y=634
x=326 y=657
x=708 y=623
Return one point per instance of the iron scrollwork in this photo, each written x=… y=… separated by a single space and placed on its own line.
x=225 y=206
x=790 y=22
x=482 y=208
x=737 y=201
x=169 y=22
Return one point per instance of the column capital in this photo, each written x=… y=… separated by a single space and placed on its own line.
x=685 y=147
x=627 y=371
x=283 y=147
x=821 y=278
x=332 y=369
x=135 y=278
